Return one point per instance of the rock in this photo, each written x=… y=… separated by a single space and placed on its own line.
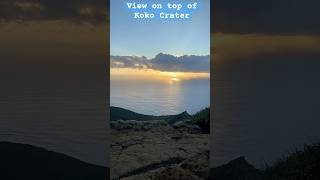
x=136 y=125
x=184 y=116
x=194 y=168
x=238 y=169
x=187 y=126
x=138 y=151
x=198 y=165
x=179 y=124
x=176 y=173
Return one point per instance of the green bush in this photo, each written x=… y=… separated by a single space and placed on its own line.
x=202 y=119
x=299 y=165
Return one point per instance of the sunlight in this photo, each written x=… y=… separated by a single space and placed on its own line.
x=155 y=75
x=174 y=79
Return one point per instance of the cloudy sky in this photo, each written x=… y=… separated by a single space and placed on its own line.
x=53 y=31
x=249 y=28
x=164 y=62
x=267 y=17
x=73 y=10
x=150 y=37
x=239 y=27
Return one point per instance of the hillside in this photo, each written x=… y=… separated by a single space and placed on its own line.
x=22 y=161
x=117 y=113
x=300 y=165
x=200 y=119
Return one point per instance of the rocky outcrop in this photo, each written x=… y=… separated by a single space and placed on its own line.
x=22 y=161
x=136 y=125
x=198 y=165
x=195 y=168
x=143 y=150
x=187 y=126
x=184 y=116
x=176 y=173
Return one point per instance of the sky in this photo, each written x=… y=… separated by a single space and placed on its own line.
x=132 y=37
x=273 y=17
x=162 y=67
x=243 y=27
x=163 y=62
x=249 y=29
x=45 y=31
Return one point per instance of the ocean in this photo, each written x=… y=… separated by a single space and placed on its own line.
x=161 y=98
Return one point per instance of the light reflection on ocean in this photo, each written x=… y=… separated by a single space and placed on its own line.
x=161 y=98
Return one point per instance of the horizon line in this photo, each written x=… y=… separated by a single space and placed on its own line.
x=175 y=55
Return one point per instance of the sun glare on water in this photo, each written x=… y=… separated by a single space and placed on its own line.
x=174 y=79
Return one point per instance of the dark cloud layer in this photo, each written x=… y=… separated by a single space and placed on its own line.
x=72 y=10
x=267 y=16
x=164 y=62
x=229 y=16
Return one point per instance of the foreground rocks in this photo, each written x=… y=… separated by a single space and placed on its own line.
x=21 y=161
x=156 y=150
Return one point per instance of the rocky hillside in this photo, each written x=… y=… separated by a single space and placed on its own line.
x=201 y=119
x=142 y=150
x=117 y=113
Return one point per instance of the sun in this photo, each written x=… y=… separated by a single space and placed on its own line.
x=174 y=79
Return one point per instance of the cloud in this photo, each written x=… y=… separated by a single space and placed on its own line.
x=92 y=11
x=266 y=17
x=164 y=62
x=130 y=62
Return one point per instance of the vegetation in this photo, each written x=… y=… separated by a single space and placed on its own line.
x=117 y=113
x=179 y=117
x=300 y=165
x=202 y=119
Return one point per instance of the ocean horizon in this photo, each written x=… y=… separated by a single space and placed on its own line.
x=161 y=98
